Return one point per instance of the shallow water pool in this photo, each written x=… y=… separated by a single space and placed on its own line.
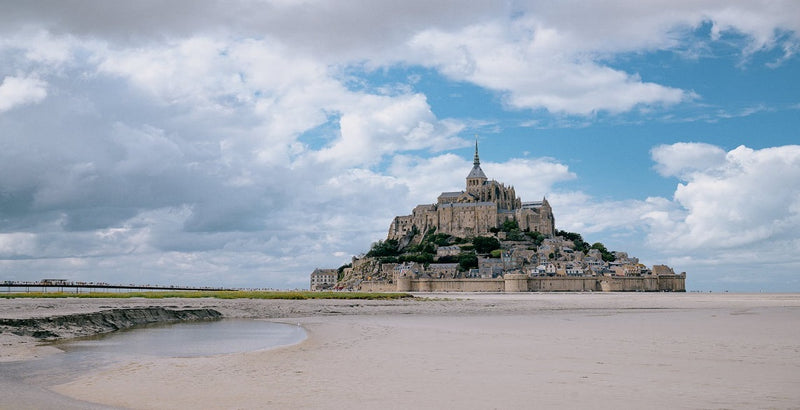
x=189 y=339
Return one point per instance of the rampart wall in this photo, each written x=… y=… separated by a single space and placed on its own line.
x=522 y=283
x=377 y=286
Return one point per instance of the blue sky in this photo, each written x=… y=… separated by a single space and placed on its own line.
x=247 y=143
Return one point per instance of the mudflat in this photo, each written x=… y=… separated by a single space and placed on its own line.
x=578 y=350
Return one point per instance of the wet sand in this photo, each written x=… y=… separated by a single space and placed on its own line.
x=482 y=351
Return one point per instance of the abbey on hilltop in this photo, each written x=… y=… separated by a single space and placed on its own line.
x=485 y=239
x=484 y=205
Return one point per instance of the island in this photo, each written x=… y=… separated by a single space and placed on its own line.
x=486 y=239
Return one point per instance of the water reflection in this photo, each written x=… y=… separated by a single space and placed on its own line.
x=189 y=339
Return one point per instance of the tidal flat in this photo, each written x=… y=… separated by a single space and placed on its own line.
x=543 y=350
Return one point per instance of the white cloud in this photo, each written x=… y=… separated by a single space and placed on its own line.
x=380 y=125
x=744 y=199
x=736 y=211
x=753 y=198
x=532 y=178
x=175 y=140
x=683 y=158
x=536 y=68
x=16 y=91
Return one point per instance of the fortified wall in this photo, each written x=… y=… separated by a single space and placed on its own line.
x=524 y=283
x=529 y=255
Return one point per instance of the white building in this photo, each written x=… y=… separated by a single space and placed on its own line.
x=323 y=279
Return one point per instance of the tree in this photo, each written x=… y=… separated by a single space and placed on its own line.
x=509 y=225
x=467 y=261
x=419 y=257
x=576 y=238
x=442 y=239
x=340 y=271
x=536 y=237
x=485 y=244
x=604 y=253
x=388 y=247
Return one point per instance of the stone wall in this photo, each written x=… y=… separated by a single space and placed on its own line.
x=522 y=283
x=377 y=286
x=564 y=284
x=457 y=285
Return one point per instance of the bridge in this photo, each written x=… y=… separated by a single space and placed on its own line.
x=61 y=285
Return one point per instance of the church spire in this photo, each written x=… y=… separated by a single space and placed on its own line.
x=476 y=177
x=477 y=161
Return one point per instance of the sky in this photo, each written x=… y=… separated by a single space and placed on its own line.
x=245 y=143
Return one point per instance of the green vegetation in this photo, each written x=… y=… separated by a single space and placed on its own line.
x=607 y=256
x=389 y=247
x=510 y=225
x=496 y=253
x=234 y=294
x=577 y=239
x=419 y=257
x=536 y=237
x=467 y=261
x=389 y=251
x=485 y=244
x=340 y=271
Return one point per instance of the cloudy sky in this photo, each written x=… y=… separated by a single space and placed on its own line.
x=246 y=143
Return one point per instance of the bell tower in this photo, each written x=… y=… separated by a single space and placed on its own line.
x=476 y=177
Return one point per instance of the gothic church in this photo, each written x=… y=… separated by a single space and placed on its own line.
x=482 y=206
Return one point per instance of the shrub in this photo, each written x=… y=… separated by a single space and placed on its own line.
x=467 y=261
x=485 y=244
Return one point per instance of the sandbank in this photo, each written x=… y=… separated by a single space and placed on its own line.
x=621 y=350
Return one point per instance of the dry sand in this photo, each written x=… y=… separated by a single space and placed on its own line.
x=483 y=351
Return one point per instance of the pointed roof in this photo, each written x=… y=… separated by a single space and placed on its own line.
x=476 y=172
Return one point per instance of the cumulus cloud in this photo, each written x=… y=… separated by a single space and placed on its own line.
x=752 y=198
x=16 y=91
x=726 y=200
x=207 y=142
x=379 y=125
x=536 y=71
x=538 y=55
x=735 y=212
x=683 y=158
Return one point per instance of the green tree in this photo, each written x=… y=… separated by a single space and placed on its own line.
x=388 y=247
x=509 y=225
x=485 y=244
x=340 y=271
x=467 y=261
x=442 y=239
x=536 y=237
x=604 y=253
x=515 y=235
x=576 y=238
x=419 y=257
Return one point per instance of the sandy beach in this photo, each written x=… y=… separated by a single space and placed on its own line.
x=468 y=351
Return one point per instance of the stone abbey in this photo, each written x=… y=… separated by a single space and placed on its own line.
x=484 y=205
x=485 y=239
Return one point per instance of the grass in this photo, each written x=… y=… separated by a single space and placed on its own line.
x=297 y=295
